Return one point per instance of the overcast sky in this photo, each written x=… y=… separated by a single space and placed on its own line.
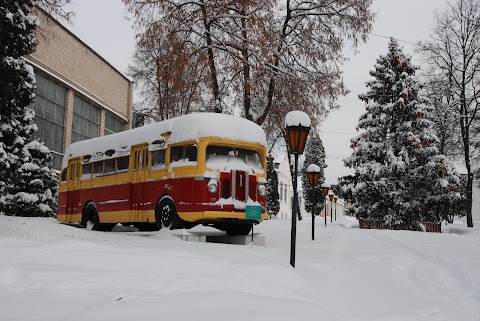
x=102 y=25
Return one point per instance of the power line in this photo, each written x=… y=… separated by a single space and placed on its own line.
x=340 y=133
x=382 y=36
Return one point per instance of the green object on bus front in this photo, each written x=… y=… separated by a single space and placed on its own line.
x=253 y=212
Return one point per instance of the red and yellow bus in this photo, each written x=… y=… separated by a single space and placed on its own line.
x=195 y=169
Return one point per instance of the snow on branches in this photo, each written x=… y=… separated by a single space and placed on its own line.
x=400 y=175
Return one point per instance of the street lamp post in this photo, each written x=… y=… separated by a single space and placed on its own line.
x=325 y=193
x=297 y=126
x=313 y=175
x=330 y=197
x=335 y=198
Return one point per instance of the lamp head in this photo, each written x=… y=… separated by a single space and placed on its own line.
x=313 y=171
x=325 y=190
x=297 y=126
x=330 y=195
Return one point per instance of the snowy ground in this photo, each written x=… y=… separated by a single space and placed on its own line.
x=50 y=271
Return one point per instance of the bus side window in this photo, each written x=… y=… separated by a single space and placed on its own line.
x=135 y=160
x=145 y=159
x=122 y=164
x=64 y=175
x=176 y=153
x=190 y=153
x=87 y=171
x=98 y=169
x=158 y=158
x=109 y=166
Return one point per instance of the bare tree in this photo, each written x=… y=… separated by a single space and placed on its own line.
x=265 y=55
x=444 y=116
x=168 y=74
x=192 y=22
x=57 y=8
x=454 y=50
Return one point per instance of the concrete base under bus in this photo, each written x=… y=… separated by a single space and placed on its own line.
x=213 y=237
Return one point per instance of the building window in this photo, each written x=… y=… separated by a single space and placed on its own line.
x=281 y=191
x=49 y=106
x=113 y=124
x=86 y=120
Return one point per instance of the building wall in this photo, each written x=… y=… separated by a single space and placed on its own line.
x=285 y=189
x=63 y=59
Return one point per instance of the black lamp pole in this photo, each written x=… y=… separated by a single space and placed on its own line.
x=313 y=172
x=313 y=215
x=330 y=196
x=325 y=193
x=325 y=214
x=335 y=199
x=294 y=215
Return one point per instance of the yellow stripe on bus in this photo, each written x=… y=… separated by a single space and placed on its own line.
x=149 y=216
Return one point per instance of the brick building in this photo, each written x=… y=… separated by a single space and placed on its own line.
x=79 y=94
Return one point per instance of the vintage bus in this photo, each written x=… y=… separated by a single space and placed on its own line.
x=200 y=168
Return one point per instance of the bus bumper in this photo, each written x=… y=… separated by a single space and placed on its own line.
x=215 y=215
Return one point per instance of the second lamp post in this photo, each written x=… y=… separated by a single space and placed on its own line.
x=313 y=176
x=325 y=190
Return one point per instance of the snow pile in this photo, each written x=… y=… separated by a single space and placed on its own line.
x=51 y=271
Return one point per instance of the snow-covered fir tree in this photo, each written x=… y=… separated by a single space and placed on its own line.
x=273 y=198
x=400 y=176
x=17 y=147
x=314 y=154
x=35 y=186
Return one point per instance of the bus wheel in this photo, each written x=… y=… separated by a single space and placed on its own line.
x=238 y=229
x=91 y=221
x=165 y=213
x=90 y=217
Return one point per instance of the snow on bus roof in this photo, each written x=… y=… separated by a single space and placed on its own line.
x=183 y=128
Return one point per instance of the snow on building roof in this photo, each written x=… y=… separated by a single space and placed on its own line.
x=183 y=128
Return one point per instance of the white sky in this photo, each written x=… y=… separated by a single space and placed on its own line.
x=101 y=24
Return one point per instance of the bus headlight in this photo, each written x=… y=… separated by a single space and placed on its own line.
x=262 y=190
x=212 y=186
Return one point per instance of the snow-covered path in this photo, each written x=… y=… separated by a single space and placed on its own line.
x=50 y=271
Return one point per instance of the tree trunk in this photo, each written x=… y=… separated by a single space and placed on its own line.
x=246 y=70
x=211 y=61
x=271 y=84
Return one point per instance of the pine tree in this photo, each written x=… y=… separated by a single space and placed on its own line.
x=17 y=148
x=273 y=204
x=35 y=189
x=400 y=176
x=314 y=154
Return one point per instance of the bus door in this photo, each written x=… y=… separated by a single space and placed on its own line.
x=73 y=180
x=140 y=164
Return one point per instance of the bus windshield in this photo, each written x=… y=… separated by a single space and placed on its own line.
x=228 y=158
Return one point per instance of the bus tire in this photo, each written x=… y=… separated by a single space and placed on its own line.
x=238 y=229
x=91 y=220
x=165 y=213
